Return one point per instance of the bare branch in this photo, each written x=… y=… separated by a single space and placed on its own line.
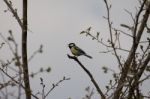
x=131 y=55
x=14 y=12
x=130 y=15
x=16 y=82
x=24 y=51
x=90 y=75
x=55 y=85
x=138 y=76
x=111 y=34
x=128 y=27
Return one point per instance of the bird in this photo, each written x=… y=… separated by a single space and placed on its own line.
x=76 y=51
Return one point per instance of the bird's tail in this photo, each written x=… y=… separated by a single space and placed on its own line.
x=88 y=56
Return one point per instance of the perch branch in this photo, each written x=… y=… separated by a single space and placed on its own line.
x=90 y=75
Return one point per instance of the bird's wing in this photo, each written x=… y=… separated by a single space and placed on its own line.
x=80 y=50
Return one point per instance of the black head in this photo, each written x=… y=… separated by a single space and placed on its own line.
x=70 y=45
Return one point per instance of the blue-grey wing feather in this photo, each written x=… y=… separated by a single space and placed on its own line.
x=81 y=52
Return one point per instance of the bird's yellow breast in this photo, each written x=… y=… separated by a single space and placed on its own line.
x=74 y=51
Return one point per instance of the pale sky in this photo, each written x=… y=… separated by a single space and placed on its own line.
x=55 y=23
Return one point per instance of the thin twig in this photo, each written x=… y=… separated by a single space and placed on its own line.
x=39 y=50
x=16 y=82
x=55 y=85
x=130 y=15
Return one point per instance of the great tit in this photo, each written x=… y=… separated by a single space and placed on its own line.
x=76 y=51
